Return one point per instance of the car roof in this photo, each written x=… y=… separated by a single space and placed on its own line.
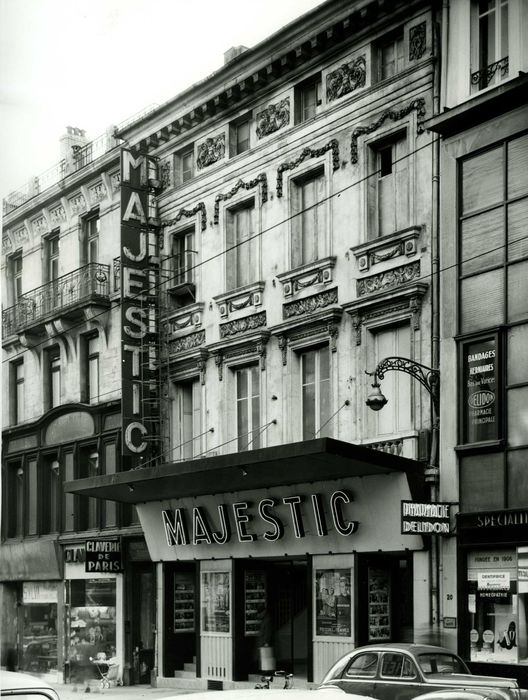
x=411 y=648
x=11 y=680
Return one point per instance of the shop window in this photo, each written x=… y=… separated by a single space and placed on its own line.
x=184 y=165
x=315 y=393
x=481 y=482
x=39 y=635
x=90 y=239
x=216 y=601
x=517 y=478
x=50 y=488
x=307 y=98
x=388 y=186
x=187 y=420
x=242 y=246
x=489 y=43
x=247 y=382
x=239 y=136
x=396 y=416
x=309 y=224
x=90 y=624
x=17 y=391
x=389 y=56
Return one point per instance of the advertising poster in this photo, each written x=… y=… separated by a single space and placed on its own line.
x=215 y=601
x=379 y=591
x=255 y=601
x=480 y=391
x=184 y=602
x=333 y=603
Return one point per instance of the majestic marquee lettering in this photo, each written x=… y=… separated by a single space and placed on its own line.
x=253 y=522
x=139 y=311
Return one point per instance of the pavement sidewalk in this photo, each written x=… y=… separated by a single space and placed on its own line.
x=128 y=692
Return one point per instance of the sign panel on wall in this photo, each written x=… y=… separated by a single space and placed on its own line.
x=425 y=518
x=103 y=556
x=480 y=406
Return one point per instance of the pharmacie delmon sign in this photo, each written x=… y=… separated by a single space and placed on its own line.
x=103 y=556
x=424 y=518
x=480 y=391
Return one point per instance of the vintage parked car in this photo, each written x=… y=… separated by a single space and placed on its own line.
x=408 y=671
x=24 y=686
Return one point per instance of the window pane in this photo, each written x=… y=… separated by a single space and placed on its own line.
x=517 y=344
x=242 y=424
x=484 y=232
x=481 y=482
x=93 y=379
x=324 y=363
x=32 y=503
x=518 y=291
x=518 y=416
x=482 y=180
x=255 y=423
x=325 y=425
x=242 y=384
x=518 y=166
x=482 y=301
x=308 y=368
x=308 y=411
x=518 y=229
x=517 y=479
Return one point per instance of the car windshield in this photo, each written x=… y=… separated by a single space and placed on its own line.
x=441 y=663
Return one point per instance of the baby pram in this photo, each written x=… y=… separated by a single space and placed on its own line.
x=108 y=670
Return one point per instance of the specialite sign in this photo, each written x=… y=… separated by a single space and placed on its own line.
x=263 y=520
x=139 y=305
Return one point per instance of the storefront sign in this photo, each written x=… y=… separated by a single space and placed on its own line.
x=74 y=555
x=493 y=581
x=103 y=556
x=425 y=518
x=480 y=386
x=139 y=306
x=185 y=527
x=39 y=592
x=494 y=519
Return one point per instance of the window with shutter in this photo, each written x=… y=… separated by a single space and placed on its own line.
x=308 y=205
x=388 y=186
x=242 y=246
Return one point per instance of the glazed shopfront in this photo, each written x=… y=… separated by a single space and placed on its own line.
x=493 y=569
x=283 y=557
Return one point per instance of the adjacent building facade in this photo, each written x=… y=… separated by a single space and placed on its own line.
x=484 y=208
x=192 y=396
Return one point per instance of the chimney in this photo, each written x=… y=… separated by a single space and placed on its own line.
x=233 y=52
x=70 y=143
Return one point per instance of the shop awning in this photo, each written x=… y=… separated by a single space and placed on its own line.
x=294 y=463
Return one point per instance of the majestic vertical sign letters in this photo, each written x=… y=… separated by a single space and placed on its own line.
x=138 y=307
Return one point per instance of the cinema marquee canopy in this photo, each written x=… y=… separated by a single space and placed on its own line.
x=323 y=459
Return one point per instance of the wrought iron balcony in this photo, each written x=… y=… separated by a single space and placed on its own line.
x=486 y=76
x=89 y=284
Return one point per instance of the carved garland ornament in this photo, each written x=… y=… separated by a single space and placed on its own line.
x=260 y=179
x=332 y=145
x=393 y=115
x=242 y=325
x=200 y=207
x=388 y=279
x=310 y=304
x=273 y=118
x=345 y=79
x=210 y=151
x=188 y=342
x=417 y=41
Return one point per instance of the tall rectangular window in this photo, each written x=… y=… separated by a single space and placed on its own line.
x=17 y=391
x=183 y=257
x=52 y=258
x=315 y=394
x=307 y=99
x=309 y=223
x=239 y=136
x=184 y=165
x=396 y=415
x=91 y=368
x=188 y=420
x=15 y=269
x=14 y=513
x=32 y=496
x=50 y=490
x=390 y=56
x=52 y=378
x=388 y=187
x=91 y=227
x=87 y=508
x=242 y=246
x=489 y=43
x=248 y=407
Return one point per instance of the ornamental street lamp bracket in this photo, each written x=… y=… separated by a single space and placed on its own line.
x=428 y=378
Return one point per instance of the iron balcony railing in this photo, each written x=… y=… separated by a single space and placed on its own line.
x=484 y=77
x=89 y=283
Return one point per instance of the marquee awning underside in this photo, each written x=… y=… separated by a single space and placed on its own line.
x=294 y=463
